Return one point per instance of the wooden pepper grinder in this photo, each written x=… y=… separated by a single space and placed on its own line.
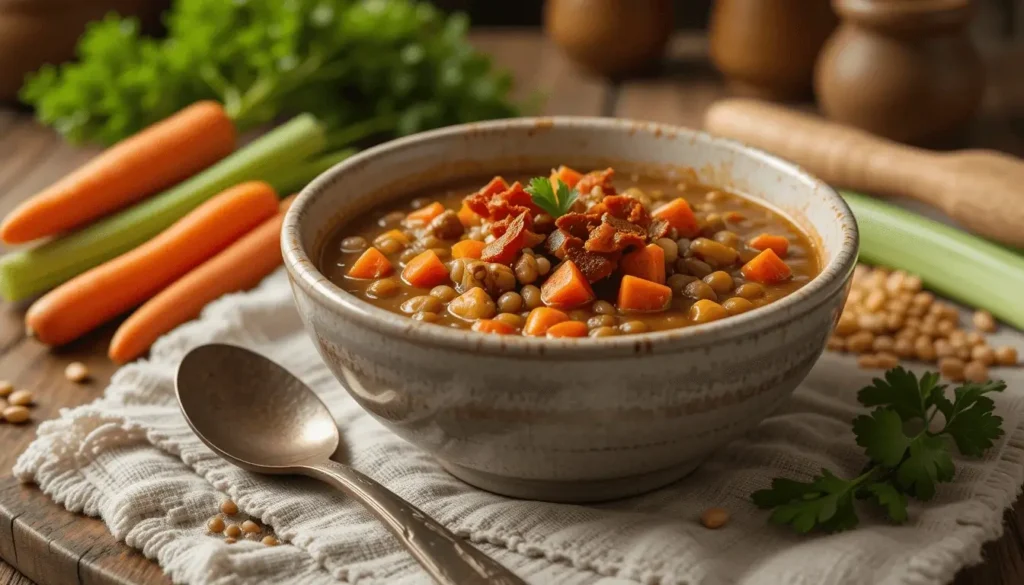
x=903 y=69
x=767 y=48
x=610 y=37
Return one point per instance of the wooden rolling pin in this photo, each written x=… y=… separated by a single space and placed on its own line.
x=983 y=190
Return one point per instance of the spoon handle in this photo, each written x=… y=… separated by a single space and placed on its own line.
x=448 y=559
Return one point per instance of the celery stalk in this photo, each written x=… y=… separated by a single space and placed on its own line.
x=292 y=180
x=26 y=273
x=963 y=267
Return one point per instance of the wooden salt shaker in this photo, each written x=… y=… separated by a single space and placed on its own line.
x=903 y=69
x=767 y=48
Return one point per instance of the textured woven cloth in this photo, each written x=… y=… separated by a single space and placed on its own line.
x=130 y=459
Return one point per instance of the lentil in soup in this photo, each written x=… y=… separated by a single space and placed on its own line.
x=571 y=255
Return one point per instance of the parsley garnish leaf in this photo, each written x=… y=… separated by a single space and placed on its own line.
x=908 y=454
x=901 y=391
x=927 y=463
x=971 y=421
x=544 y=196
x=824 y=502
x=889 y=498
x=881 y=435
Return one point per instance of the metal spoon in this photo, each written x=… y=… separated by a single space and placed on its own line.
x=279 y=426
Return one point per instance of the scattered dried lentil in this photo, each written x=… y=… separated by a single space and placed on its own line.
x=1006 y=356
x=233 y=531
x=6 y=388
x=888 y=317
x=984 y=321
x=952 y=368
x=20 y=398
x=215 y=525
x=16 y=414
x=250 y=527
x=714 y=518
x=976 y=371
x=229 y=507
x=76 y=372
x=270 y=541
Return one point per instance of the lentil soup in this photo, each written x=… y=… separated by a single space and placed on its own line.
x=571 y=255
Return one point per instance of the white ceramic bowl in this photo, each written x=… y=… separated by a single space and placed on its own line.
x=573 y=419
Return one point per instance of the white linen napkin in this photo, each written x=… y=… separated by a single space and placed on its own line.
x=130 y=459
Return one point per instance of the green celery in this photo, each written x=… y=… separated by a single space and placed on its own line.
x=26 y=273
x=294 y=179
x=967 y=268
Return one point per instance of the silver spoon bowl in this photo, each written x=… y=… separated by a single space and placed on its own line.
x=256 y=415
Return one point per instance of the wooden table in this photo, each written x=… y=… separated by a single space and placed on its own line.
x=51 y=546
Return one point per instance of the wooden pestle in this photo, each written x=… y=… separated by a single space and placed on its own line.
x=983 y=190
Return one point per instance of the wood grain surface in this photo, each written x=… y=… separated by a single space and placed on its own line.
x=51 y=546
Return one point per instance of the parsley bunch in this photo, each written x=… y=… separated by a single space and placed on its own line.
x=555 y=204
x=389 y=67
x=909 y=452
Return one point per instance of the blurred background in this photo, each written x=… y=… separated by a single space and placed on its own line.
x=33 y=32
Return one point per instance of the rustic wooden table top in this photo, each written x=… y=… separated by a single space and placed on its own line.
x=49 y=545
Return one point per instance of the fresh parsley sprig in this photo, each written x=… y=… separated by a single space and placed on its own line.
x=909 y=452
x=555 y=204
x=403 y=64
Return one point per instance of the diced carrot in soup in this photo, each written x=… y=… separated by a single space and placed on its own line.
x=425 y=214
x=568 y=329
x=425 y=271
x=492 y=326
x=679 y=215
x=767 y=268
x=567 y=288
x=541 y=319
x=372 y=264
x=637 y=294
x=780 y=244
x=468 y=217
x=468 y=249
x=396 y=235
x=566 y=175
x=647 y=263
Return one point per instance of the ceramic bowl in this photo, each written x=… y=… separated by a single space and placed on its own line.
x=567 y=419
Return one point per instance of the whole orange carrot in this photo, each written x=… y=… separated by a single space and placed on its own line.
x=241 y=266
x=158 y=157
x=96 y=296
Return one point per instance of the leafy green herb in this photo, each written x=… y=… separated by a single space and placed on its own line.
x=394 y=66
x=544 y=195
x=907 y=458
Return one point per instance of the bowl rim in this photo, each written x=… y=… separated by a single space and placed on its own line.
x=305 y=274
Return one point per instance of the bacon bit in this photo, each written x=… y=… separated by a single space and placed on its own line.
x=494 y=186
x=494 y=204
x=517 y=195
x=499 y=227
x=624 y=207
x=594 y=266
x=504 y=249
x=659 y=228
x=593 y=179
x=564 y=246
x=578 y=224
x=559 y=241
x=478 y=201
x=615 y=235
